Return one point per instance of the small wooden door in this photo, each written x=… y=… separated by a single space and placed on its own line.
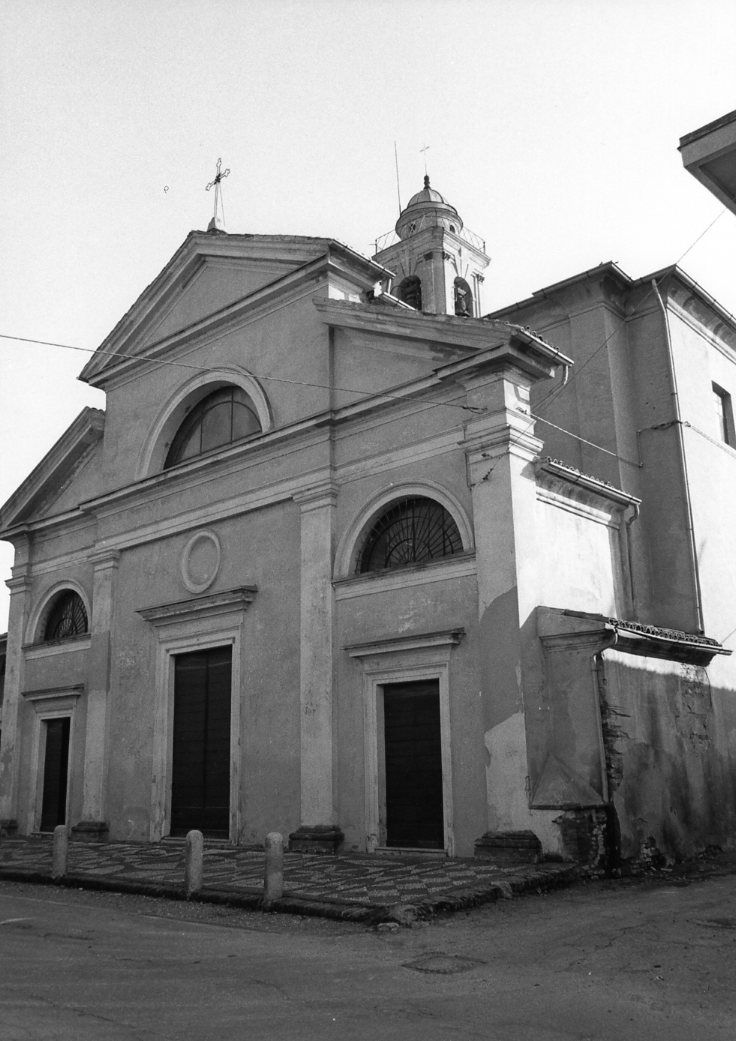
x=200 y=788
x=55 y=772
x=414 y=813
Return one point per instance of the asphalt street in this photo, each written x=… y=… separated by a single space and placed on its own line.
x=601 y=961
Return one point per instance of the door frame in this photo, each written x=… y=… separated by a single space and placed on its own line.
x=234 y=770
x=383 y=803
x=198 y=624
x=403 y=660
x=56 y=703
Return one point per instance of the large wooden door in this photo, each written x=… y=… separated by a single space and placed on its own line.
x=414 y=814
x=55 y=772
x=200 y=786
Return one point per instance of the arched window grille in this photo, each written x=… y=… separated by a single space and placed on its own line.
x=412 y=530
x=410 y=291
x=463 y=299
x=223 y=417
x=67 y=617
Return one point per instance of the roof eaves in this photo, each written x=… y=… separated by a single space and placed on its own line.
x=86 y=429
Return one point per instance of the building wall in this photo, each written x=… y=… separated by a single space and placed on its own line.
x=669 y=737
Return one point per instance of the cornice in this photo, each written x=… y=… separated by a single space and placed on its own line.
x=58 y=464
x=305 y=258
x=462 y=565
x=51 y=648
x=316 y=496
x=556 y=476
x=568 y=629
x=72 y=691
x=238 y=599
x=445 y=638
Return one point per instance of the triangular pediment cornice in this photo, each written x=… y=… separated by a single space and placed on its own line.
x=294 y=257
x=50 y=477
x=463 y=334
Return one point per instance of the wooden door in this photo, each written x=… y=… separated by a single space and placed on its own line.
x=413 y=755
x=200 y=788
x=55 y=772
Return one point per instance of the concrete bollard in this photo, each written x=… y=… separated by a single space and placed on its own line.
x=60 y=851
x=193 y=857
x=273 y=878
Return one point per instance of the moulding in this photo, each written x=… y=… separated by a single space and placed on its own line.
x=459 y=566
x=409 y=453
x=46 y=650
x=415 y=641
x=50 y=693
x=568 y=476
x=564 y=629
x=200 y=606
x=188 y=578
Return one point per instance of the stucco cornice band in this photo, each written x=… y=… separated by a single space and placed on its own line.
x=197 y=606
x=558 y=476
x=416 y=641
x=46 y=693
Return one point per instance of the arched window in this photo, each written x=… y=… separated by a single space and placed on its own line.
x=67 y=617
x=410 y=291
x=412 y=530
x=463 y=299
x=223 y=417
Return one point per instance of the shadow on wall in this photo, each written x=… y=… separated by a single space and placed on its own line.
x=671 y=772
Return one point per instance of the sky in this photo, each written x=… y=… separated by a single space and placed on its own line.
x=552 y=127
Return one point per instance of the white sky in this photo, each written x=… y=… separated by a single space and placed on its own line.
x=553 y=128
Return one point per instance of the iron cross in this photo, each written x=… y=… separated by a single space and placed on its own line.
x=218 y=176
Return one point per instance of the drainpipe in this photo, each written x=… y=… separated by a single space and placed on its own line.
x=628 y=522
x=681 y=445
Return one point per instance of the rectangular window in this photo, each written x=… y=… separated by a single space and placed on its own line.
x=724 y=415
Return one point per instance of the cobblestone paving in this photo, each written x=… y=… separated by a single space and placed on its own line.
x=374 y=880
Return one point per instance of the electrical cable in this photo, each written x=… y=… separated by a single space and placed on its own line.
x=203 y=368
x=553 y=394
x=547 y=400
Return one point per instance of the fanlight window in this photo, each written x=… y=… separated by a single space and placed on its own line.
x=67 y=617
x=463 y=299
x=223 y=417
x=410 y=531
x=410 y=292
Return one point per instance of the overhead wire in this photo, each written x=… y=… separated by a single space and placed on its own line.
x=534 y=417
x=556 y=391
x=160 y=362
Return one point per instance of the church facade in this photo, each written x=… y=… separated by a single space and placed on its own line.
x=342 y=559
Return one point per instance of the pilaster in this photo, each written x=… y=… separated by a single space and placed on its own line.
x=318 y=829
x=501 y=449
x=93 y=825
x=18 y=585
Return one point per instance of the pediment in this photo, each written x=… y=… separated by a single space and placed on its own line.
x=217 y=283
x=206 y=283
x=54 y=485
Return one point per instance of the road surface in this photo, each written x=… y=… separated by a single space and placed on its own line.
x=592 y=963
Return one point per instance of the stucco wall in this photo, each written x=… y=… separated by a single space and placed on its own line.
x=669 y=738
x=260 y=548
x=579 y=566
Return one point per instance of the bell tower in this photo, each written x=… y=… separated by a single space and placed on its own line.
x=438 y=263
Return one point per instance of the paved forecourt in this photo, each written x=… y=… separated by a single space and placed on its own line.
x=354 y=886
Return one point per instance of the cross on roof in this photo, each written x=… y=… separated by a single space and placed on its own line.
x=218 y=223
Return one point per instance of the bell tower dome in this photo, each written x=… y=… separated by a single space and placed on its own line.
x=437 y=262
